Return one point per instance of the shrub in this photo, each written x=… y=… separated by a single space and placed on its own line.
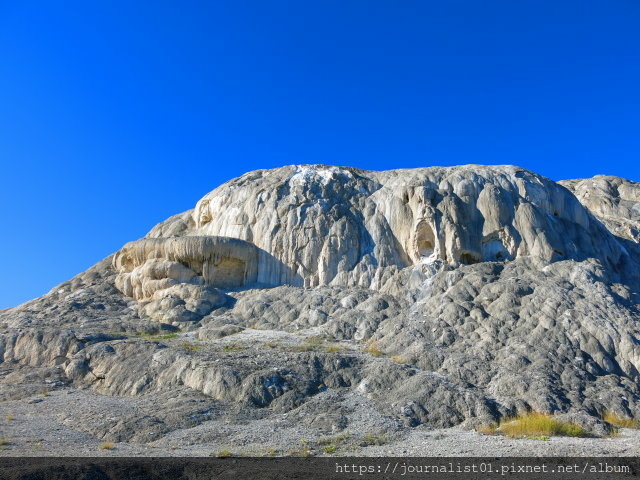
x=107 y=446
x=224 y=454
x=536 y=424
x=618 y=421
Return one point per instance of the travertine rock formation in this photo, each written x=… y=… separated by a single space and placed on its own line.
x=172 y=278
x=321 y=225
x=432 y=296
x=613 y=200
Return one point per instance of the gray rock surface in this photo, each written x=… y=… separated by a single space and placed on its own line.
x=339 y=301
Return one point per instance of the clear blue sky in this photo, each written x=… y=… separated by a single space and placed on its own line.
x=115 y=115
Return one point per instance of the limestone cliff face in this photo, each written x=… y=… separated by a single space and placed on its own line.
x=321 y=225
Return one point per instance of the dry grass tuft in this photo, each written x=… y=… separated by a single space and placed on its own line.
x=316 y=339
x=399 y=359
x=334 y=348
x=107 y=446
x=373 y=348
x=233 y=347
x=190 y=346
x=618 y=421
x=304 y=347
x=224 y=454
x=374 y=439
x=490 y=429
x=536 y=424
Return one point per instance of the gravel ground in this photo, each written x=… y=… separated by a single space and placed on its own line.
x=33 y=426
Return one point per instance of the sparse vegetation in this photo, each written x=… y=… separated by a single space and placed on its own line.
x=316 y=339
x=317 y=343
x=399 y=359
x=304 y=451
x=10 y=417
x=619 y=421
x=535 y=424
x=233 y=347
x=304 y=347
x=490 y=429
x=373 y=348
x=190 y=346
x=224 y=454
x=4 y=441
x=374 y=439
x=332 y=444
x=107 y=446
x=271 y=452
x=157 y=337
x=329 y=449
x=334 y=349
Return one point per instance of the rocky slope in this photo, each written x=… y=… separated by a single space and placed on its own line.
x=342 y=300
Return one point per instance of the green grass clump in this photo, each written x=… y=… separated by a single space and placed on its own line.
x=536 y=424
x=330 y=445
x=619 y=421
x=330 y=449
x=156 y=337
